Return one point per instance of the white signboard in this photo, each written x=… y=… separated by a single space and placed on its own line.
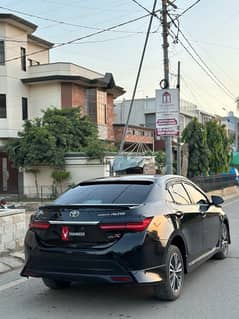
x=167 y=112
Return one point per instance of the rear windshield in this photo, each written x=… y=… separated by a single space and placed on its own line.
x=106 y=193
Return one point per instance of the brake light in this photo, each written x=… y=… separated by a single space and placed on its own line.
x=132 y=226
x=39 y=225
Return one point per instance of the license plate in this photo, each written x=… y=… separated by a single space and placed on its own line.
x=66 y=233
x=77 y=234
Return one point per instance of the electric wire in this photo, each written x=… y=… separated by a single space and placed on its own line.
x=81 y=38
x=209 y=70
x=200 y=65
x=220 y=83
x=63 y=22
x=186 y=10
x=137 y=78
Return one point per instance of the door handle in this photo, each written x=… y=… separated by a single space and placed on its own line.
x=179 y=214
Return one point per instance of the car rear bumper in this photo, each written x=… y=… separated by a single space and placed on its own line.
x=133 y=259
x=87 y=268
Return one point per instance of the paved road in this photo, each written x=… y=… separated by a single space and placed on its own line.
x=211 y=291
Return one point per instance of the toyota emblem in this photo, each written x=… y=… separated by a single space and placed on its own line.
x=74 y=213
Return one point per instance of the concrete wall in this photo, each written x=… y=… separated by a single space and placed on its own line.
x=80 y=169
x=12 y=229
x=42 y=96
x=42 y=57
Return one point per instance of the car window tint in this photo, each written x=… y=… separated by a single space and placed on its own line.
x=195 y=195
x=106 y=193
x=179 y=194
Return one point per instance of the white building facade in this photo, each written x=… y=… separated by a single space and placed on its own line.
x=29 y=83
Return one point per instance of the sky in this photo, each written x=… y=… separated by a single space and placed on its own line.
x=211 y=28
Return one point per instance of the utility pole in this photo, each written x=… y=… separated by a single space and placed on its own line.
x=168 y=140
x=179 y=160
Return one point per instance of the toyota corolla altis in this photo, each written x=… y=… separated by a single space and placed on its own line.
x=130 y=230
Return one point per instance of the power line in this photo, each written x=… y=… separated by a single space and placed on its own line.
x=203 y=68
x=206 y=68
x=63 y=22
x=186 y=10
x=202 y=61
x=141 y=6
x=137 y=77
x=83 y=37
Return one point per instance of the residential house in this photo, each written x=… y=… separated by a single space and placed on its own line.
x=29 y=83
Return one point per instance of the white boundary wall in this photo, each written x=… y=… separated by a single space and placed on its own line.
x=12 y=229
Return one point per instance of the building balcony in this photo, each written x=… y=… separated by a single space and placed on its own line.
x=71 y=73
x=43 y=72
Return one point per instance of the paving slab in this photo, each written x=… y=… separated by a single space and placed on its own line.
x=4 y=268
x=11 y=262
x=18 y=254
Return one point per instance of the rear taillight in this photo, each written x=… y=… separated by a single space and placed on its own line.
x=39 y=225
x=131 y=226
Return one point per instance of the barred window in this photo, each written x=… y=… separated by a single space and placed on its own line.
x=3 y=106
x=2 y=52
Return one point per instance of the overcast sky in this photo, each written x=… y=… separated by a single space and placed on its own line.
x=211 y=27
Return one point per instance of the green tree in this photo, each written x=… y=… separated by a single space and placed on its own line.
x=219 y=147
x=44 y=141
x=59 y=176
x=71 y=131
x=34 y=147
x=195 y=135
x=160 y=160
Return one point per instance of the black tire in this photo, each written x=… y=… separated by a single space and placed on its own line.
x=170 y=289
x=224 y=242
x=56 y=284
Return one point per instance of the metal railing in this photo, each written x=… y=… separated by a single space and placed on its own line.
x=45 y=192
x=214 y=182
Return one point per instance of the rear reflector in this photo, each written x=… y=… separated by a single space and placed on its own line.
x=121 y=278
x=135 y=226
x=39 y=225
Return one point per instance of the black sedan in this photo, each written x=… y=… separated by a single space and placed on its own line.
x=130 y=230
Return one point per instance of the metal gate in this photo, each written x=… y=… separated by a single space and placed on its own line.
x=8 y=175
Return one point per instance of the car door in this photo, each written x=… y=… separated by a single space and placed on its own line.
x=211 y=216
x=190 y=222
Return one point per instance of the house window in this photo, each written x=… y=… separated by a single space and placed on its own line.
x=24 y=109
x=23 y=59
x=3 y=106
x=101 y=107
x=2 y=53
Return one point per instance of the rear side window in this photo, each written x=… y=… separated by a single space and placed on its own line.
x=106 y=193
x=196 y=196
x=179 y=194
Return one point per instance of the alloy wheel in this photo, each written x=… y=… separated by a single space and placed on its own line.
x=225 y=240
x=175 y=272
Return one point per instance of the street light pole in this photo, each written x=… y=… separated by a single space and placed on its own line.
x=168 y=141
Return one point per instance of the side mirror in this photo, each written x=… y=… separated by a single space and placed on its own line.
x=217 y=200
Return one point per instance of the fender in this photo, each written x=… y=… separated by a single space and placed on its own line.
x=177 y=238
x=226 y=221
